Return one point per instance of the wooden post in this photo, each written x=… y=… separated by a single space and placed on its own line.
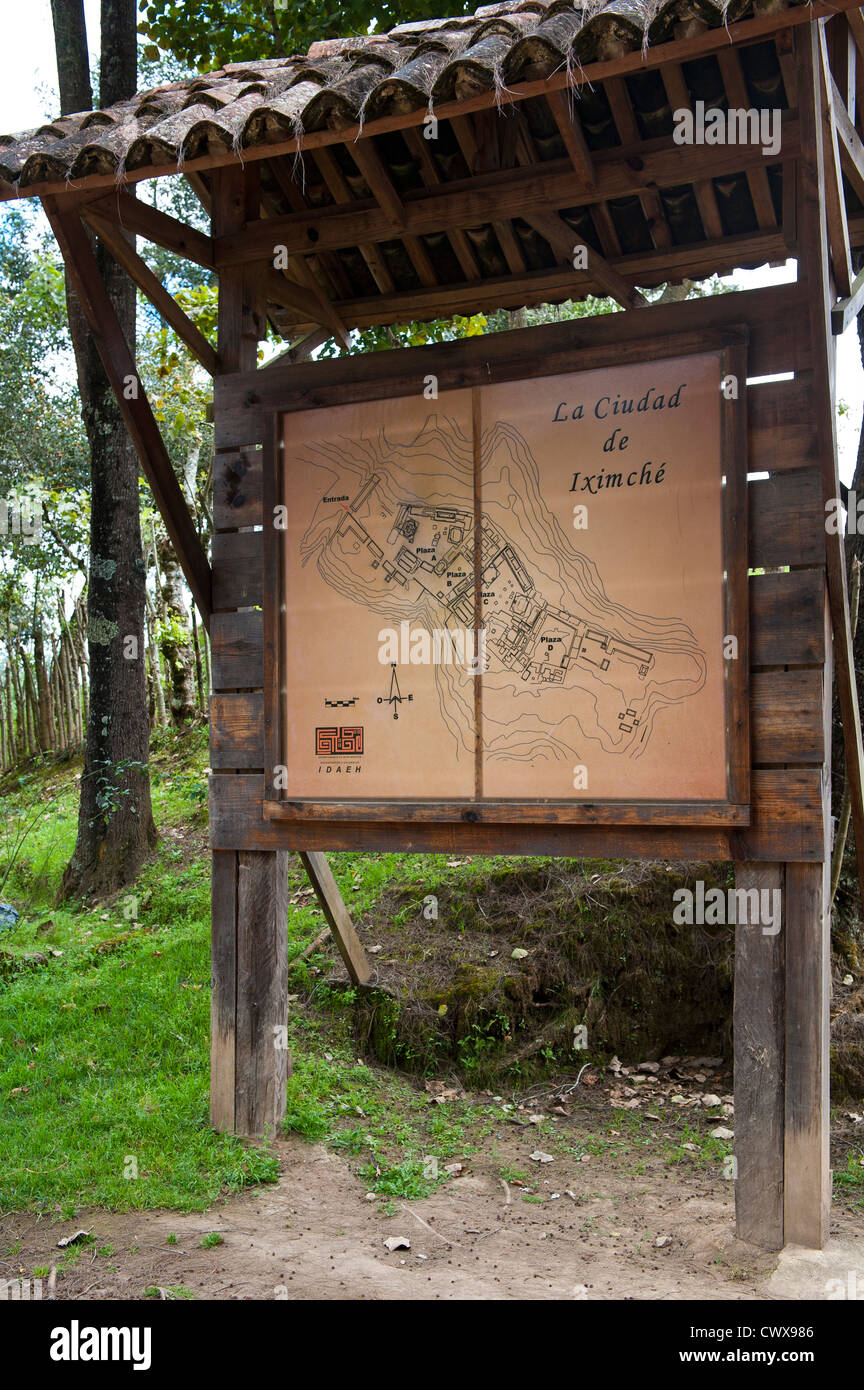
x=807 y=1198
x=249 y=1060
x=759 y=1045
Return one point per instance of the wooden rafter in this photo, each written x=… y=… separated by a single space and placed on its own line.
x=120 y=369
x=678 y=95
x=418 y=147
x=371 y=166
x=314 y=306
x=502 y=226
x=341 y=193
x=647 y=268
x=563 y=241
x=739 y=99
x=563 y=109
x=488 y=198
x=628 y=133
x=151 y=286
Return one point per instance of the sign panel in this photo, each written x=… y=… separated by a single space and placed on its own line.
x=511 y=594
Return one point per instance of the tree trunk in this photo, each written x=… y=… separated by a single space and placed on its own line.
x=44 y=700
x=175 y=641
x=115 y=821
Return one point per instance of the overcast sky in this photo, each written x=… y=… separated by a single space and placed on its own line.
x=28 y=69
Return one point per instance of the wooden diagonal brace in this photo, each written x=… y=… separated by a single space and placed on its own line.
x=563 y=240
x=134 y=215
x=150 y=285
x=120 y=369
x=338 y=917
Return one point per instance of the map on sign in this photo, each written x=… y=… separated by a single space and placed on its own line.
x=520 y=599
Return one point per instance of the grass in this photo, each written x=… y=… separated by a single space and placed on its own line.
x=104 y=1030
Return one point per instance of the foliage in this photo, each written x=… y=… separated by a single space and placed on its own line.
x=213 y=32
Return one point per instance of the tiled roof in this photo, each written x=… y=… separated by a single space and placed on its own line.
x=341 y=82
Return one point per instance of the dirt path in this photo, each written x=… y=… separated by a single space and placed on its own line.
x=316 y=1236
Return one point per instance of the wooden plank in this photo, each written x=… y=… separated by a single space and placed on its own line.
x=759 y=1046
x=773 y=316
x=237 y=560
x=786 y=710
x=786 y=627
x=237 y=730
x=485 y=198
x=237 y=479
x=785 y=816
x=223 y=988
x=338 y=917
x=813 y=270
x=786 y=520
x=736 y=535
x=478 y=812
x=150 y=285
x=263 y=1061
x=138 y=417
x=780 y=430
x=236 y=643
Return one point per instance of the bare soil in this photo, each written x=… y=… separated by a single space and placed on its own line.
x=620 y=1223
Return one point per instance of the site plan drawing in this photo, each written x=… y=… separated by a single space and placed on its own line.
x=494 y=624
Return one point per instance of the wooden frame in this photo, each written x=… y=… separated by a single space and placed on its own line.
x=730 y=348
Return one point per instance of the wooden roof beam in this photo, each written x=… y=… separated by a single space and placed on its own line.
x=151 y=286
x=309 y=300
x=487 y=198
x=133 y=215
x=120 y=367
x=341 y=193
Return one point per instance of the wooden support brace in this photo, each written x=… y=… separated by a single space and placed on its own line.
x=562 y=239
x=120 y=369
x=846 y=311
x=142 y=219
x=150 y=285
x=338 y=917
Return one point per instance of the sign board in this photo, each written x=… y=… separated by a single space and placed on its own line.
x=521 y=595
